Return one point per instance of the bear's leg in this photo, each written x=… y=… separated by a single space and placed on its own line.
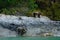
x=34 y=14
x=38 y=15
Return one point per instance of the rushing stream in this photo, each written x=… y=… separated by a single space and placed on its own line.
x=34 y=26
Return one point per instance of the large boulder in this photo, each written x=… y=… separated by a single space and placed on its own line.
x=21 y=31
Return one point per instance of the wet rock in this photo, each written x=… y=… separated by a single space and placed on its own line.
x=47 y=34
x=21 y=31
x=20 y=18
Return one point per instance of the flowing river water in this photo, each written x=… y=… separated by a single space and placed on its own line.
x=35 y=26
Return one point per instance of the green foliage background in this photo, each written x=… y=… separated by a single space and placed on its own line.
x=49 y=8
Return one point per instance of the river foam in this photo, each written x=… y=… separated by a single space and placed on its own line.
x=35 y=26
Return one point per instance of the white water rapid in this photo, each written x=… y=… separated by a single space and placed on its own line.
x=35 y=26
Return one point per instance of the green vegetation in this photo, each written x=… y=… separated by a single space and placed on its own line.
x=49 y=8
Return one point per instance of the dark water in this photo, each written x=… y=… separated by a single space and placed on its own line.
x=31 y=38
